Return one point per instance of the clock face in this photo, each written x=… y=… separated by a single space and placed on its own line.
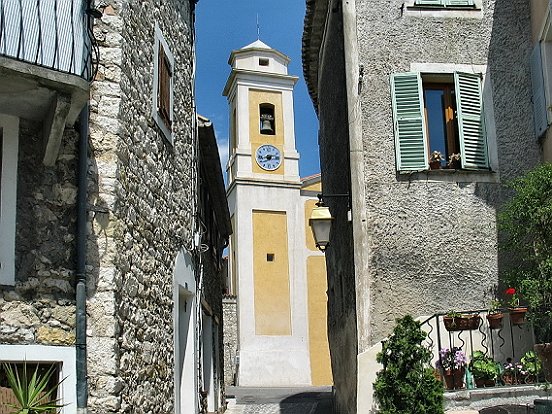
x=268 y=157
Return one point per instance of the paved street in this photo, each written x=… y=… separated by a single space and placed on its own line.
x=311 y=400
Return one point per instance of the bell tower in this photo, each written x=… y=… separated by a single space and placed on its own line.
x=260 y=98
x=267 y=250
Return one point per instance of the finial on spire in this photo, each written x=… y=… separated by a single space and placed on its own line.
x=258 y=28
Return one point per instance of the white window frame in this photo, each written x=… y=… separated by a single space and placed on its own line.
x=160 y=41
x=64 y=356
x=8 y=202
x=413 y=10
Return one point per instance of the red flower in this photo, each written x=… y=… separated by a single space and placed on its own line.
x=510 y=291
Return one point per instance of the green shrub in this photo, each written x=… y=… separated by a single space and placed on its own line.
x=527 y=222
x=406 y=384
x=484 y=367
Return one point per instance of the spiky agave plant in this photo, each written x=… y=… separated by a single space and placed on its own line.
x=33 y=394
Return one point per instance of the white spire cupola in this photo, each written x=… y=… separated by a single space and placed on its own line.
x=260 y=98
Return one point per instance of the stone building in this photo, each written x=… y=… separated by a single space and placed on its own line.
x=392 y=82
x=276 y=272
x=113 y=226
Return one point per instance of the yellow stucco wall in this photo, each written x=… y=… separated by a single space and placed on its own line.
x=257 y=139
x=271 y=278
x=317 y=186
x=321 y=372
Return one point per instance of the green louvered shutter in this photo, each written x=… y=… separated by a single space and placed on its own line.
x=473 y=143
x=539 y=99
x=409 y=122
x=429 y=2
x=459 y=3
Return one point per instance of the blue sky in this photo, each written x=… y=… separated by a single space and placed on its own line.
x=224 y=25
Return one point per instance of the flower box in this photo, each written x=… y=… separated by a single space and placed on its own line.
x=462 y=322
x=495 y=320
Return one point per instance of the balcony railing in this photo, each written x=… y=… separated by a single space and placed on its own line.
x=471 y=331
x=55 y=34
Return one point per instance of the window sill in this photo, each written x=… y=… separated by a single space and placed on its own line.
x=450 y=175
x=467 y=12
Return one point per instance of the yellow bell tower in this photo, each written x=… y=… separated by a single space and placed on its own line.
x=260 y=98
x=280 y=282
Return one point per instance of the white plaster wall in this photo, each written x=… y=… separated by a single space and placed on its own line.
x=250 y=61
x=185 y=351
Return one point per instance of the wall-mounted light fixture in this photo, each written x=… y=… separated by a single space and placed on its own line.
x=320 y=221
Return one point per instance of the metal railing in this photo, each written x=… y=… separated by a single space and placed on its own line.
x=505 y=343
x=56 y=34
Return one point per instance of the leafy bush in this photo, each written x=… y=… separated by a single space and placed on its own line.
x=527 y=222
x=406 y=384
x=484 y=367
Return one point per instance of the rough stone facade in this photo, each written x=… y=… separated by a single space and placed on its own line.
x=429 y=241
x=143 y=198
x=230 y=338
x=40 y=308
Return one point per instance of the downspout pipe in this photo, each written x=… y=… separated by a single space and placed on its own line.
x=82 y=381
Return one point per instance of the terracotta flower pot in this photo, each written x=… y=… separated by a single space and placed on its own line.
x=454 y=379
x=461 y=323
x=509 y=379
x=544 y=352
x=517 y=315
x=482 y=382
x=495 y=320
x=435 y=165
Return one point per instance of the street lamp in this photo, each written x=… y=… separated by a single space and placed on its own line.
x=320 y=222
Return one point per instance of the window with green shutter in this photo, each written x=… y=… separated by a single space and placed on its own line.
x=445 y=3
x=409 y=121
x=439 y=121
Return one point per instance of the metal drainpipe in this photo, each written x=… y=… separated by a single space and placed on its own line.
x=82 y=381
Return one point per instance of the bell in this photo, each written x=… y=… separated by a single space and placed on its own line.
x=266 y=127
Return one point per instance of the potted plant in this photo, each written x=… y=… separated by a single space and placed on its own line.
x=455 y=321
x=495 y=315
x=531 y=367
x=517 y=312
x=406 y=383
x=453 y=364
x=512 y=372
x=435 y=160
x=34 y=392
x=527 y=223
x=484 y=369
x=454 y=161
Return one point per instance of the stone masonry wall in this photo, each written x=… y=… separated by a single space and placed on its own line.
x=40 y=308
x=434 y=240
x=230 y=338
x=146 y=184
x=141 y=192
